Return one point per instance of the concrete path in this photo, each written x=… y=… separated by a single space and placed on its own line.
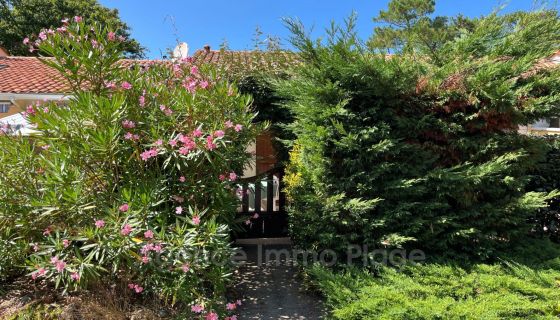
x=271 y=291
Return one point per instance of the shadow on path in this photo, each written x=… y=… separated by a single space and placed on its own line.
x=272 y=291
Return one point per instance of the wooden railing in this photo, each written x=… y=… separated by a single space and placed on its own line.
x=263 y=205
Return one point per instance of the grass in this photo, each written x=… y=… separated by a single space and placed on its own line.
x=502 y=290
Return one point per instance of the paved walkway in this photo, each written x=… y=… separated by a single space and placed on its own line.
x=271 y=291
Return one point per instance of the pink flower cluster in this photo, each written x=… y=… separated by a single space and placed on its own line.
x=232 y=176
x=126 y=229
x=166 y=110
x=132 y=137
x=149 y=154
x=128 y=124
x=38 y=273
x=135 y=287
x=59 y=265
x=100 y=223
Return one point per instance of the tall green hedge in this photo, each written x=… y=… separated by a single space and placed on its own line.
x=403 y=150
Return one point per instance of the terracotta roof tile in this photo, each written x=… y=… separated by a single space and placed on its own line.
x=29 y=75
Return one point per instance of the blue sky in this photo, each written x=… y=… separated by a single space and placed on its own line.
x=157 y=24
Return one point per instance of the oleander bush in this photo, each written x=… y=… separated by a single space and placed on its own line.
x=130 y=181
x=416 y=150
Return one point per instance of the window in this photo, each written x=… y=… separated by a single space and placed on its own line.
x=554 y=123
x=4 y=107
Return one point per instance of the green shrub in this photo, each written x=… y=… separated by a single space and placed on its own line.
x=440 y=291
x=132 y=179
x=407 y=151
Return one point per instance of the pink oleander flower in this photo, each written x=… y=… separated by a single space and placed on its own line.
x=158 y=142
x=231 y=306
x=212 y=316
x=38 y=273
x=196 y=220
x=179 y=210
x=77 y=19
x=94 y=43
x=128 y=124
x=149 y=234
x=138 y=289
x=26 y=41
x=47 y=231
x=65 y=243
x=190 y=86
x=75 y=276
x=142 y=101
x=194 y=70
x=111 y=36
x=54 y=260
x=232 y=176
x=197 y=308
x=131 y=285
x=45 y=147
x=167 y=111
x=46 y=110
x=65 y=20
x=126 y=85
x=42 y=35
x=121 y=38
x=35 y=247
x=256 y=216
x=148 y=154
x=128 y=136
x=158 y=248
x=228 y=124
x=210 y=145
x=126 y=230
x=147 y=248
x=60 y=266
x=99 y=223
x=218 y=133
x=234 y=317
x=238 y=302
x=186 y=267
x=238 y=127
x=182 y=179
x=204 y=84
x=110 y=85
x=124 y=207
x=247 y=222
x=184 y=151
x=222 y=177
x=30 y=110
x=197 y=132
x=145 y=259
x=173 y=142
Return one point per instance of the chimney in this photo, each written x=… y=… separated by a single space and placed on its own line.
x=3 y=52
x=207 y=48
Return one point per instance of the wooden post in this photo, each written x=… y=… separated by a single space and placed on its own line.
x=270 y=193
x=258 y=187
x=281 y=191
x=245 y=198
